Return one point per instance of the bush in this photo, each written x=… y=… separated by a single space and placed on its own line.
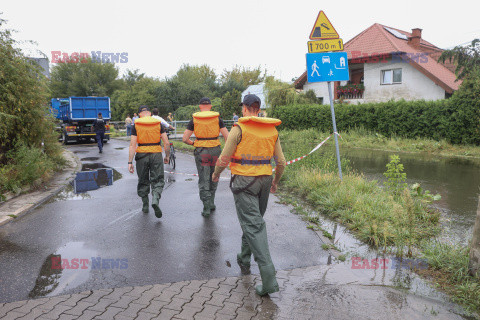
x=457 y=119
x=29 y=149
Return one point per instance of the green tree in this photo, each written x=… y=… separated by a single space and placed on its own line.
x=131 y=77
x=84 y=79
x=466 y=59
x=127 y=101
x=187 y=87
x=279 y=93
x=230 y=104
x=239 y=78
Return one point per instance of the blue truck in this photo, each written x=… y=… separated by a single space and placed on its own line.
x=77 y=114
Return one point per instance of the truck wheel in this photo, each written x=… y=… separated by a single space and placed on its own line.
x=64 y=139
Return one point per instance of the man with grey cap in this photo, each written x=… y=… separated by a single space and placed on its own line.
x=147 y=132
x=251 y=145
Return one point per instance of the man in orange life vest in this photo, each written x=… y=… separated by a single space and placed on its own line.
x=147 y=133
x=206 y=125
x=251 y=145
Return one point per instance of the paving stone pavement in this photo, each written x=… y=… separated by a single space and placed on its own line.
x=319 y=292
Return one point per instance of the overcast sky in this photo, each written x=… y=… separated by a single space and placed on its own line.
x=161 y=36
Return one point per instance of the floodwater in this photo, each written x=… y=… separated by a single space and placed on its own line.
x=457 y=180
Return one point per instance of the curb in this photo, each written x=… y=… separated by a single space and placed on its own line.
x=47 y=194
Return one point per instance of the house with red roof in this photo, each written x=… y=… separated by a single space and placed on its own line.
x=387 y=63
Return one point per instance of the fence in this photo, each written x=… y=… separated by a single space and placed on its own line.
x=179 y=126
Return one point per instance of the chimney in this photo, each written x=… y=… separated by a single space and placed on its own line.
x=414 y=40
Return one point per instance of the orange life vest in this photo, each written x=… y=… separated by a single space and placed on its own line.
x=206 y=129
x=255 y=151
x=148 y=135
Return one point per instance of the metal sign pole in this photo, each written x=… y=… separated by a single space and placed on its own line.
x=330 y=94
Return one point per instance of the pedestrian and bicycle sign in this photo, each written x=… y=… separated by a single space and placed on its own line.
x=323 y=29
x=323 y=65
x=325 y=45
x=328 y=66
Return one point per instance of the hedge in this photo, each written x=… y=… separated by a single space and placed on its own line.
x=457 y=119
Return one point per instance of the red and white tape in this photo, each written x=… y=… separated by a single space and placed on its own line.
x=313 y=150
x=288 y=162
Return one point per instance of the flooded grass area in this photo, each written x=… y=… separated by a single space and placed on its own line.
x=390 y=224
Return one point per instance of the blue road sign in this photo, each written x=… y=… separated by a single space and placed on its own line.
x=328 y=66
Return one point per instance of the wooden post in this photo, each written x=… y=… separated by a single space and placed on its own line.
x=475 y=249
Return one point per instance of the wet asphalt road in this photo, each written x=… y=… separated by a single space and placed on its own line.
x=108 y=224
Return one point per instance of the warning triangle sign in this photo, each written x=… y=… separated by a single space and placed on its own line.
x=323 y=29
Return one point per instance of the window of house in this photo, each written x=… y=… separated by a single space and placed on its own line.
x=391 y=76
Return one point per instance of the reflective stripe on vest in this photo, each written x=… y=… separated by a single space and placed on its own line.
x=148 y=135
x=206 y=128
x=255 y=151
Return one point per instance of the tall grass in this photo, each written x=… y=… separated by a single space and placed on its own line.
x=451 y=262
x=374 y=213
x=371 y=212
x=29 y=166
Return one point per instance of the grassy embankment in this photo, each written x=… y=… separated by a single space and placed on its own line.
x=360 y=138
x=29 y=168
x=401 y=221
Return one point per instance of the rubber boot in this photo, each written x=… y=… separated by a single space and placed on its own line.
x=206 y=208
x=269 y=281
x=244 y=257
x=244 y=267
x=213 y=207
x=155 y=206
x=145 y=204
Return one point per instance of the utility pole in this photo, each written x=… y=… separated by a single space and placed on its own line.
x=474 y=265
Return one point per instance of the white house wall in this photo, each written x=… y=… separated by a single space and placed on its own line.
x=415 y=85
x=320 y=89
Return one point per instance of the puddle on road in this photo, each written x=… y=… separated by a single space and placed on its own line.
x=89 y=159
x=63 y=270
x=80 y=151
x=120 y=148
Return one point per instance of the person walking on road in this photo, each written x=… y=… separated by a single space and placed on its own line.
x=164 y=123
x=207 y=125
x=145 y=146
x=128 y=125
x=251 y=145
x=99 y=128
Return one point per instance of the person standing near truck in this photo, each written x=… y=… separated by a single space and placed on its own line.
x=251 y=145
x=147 y=133
x=99 y=126
x=207 y=126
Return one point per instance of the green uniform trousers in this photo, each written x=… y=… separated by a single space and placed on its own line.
x=150 y=173
x=251 y=204
x=205 y=159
